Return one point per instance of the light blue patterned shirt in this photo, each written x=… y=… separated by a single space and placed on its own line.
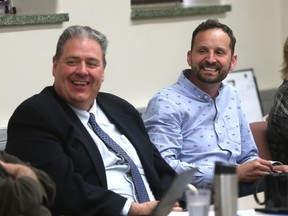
x=190 y=129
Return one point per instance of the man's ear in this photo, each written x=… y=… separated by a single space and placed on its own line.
x=189 y=57
x=54 y=65
x=233 y=62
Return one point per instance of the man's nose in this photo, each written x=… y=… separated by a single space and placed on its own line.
x=211 y=57
x=82 y=68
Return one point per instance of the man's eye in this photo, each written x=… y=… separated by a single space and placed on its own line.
x=202 y=51
x=71 y=62
x=93 y=64
x=220 y=52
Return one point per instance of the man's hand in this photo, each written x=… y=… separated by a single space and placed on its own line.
x=147 y=208
x=142 y=208
x=252 y=170
x=280 y=168
x=177 y=207
x=19 y=170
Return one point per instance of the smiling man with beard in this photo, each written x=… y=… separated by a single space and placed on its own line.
x=198 y=120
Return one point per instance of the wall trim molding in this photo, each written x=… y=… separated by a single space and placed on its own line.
x=177 y=11
x=32 y=19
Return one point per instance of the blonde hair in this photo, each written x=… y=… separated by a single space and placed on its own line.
x=284 y=70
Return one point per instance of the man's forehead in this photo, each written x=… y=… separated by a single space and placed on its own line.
x=212 y=37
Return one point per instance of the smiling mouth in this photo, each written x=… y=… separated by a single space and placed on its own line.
x=210 y=69
x=80 y=83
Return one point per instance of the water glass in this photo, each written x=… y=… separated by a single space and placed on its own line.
x=198 y=202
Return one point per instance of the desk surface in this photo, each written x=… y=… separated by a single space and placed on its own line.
x=248 y=202
x=245 y=204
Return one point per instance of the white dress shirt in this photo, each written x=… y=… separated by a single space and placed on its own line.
x=117 y=170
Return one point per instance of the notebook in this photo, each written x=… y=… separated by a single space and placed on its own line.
x=175 y=192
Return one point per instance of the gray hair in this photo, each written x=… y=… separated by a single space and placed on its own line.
x=78 y=31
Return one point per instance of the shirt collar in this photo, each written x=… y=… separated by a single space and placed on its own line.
x=187 y=84
x=84 y=115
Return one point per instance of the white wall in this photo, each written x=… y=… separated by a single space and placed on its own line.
x=143 y=56
x=283 y=21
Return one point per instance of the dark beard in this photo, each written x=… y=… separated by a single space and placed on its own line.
x=222 y=73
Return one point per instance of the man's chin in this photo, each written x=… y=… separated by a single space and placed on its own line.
x=211 y=80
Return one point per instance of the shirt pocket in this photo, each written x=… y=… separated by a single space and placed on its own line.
x=232 y=128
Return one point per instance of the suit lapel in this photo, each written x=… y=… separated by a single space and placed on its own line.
x=125 y=124
x=84 y=137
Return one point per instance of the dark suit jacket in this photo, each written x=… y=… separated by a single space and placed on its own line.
x=46 y=132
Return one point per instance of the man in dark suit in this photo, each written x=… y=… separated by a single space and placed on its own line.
x=52 y=131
